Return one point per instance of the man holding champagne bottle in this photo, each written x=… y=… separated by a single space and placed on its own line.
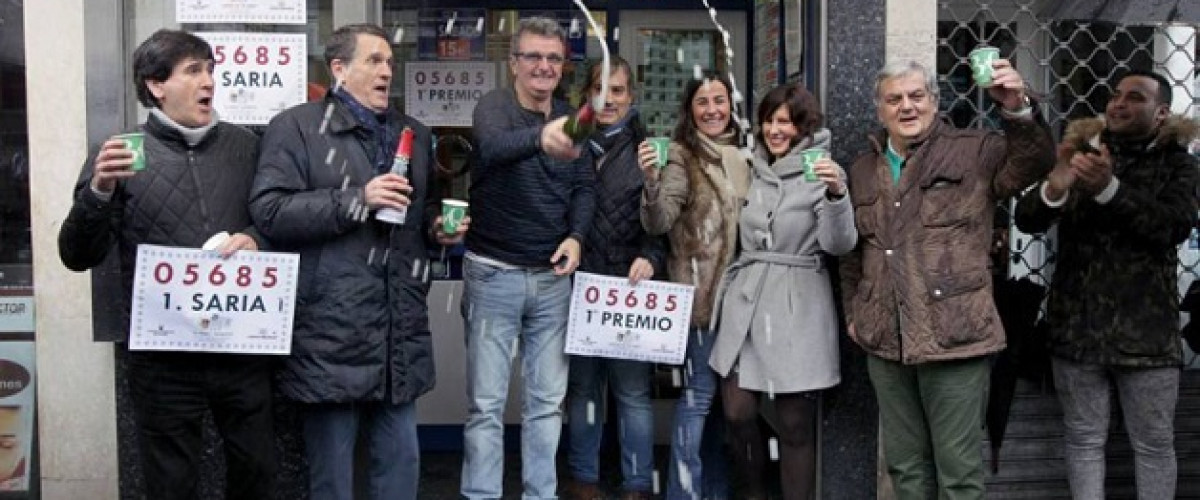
x=531 y=198
x=361 y=351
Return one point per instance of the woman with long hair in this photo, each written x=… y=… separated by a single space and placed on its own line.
x=695 y=200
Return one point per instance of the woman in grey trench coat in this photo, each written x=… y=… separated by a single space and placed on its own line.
x=776 y=323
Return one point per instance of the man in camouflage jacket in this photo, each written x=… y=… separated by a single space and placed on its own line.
x=1124 y=195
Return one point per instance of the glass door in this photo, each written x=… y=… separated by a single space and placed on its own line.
x=666 y=50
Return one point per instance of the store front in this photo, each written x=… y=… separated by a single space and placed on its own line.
x=273 y=61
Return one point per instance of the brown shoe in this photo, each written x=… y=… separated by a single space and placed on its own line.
x=637 y=495
x=578 y=490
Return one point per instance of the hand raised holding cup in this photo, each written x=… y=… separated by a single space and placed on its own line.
x=819 y=167
x=981 y=64
x=652 y=156
x=120 y=157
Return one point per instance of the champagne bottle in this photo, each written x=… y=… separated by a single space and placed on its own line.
x=399 y=167
x=581 y=124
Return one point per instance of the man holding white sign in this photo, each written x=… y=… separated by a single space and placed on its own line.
x=178 y=179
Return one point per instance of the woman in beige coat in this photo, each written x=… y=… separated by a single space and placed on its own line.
x=695 y=200
x=777 y=328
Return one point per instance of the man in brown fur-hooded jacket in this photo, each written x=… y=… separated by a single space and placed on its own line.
x=1124 y=195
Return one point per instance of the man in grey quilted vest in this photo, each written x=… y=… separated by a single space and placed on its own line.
x=195 y=183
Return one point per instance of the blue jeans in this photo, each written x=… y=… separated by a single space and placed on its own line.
x=1147 y=396
x=698 y=463
x=330 y=433
x=502 y=307
x=630 y=381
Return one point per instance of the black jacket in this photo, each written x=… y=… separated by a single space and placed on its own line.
x=362 y=328
x=616 y=237
x=183 y=197
x=1114 y=298
x=523 y=202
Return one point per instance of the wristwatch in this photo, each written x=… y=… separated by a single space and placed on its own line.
x=1026 y=108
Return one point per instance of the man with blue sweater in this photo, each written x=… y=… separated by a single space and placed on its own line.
x=531 y=203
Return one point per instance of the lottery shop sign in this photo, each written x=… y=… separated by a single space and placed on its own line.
x=257 y=75
x=610 y=318
x=188 y=299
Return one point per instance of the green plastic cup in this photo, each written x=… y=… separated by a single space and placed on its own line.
x=662 y=145
x=453 y=212
x=134 y=142
x=810 y=157
x=981 y=64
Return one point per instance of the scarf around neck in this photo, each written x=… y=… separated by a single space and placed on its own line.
x=722 y=152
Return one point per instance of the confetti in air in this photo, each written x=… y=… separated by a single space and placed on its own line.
x=654 y=481
x=500 y=27
x=675 y=382
x=371 y=257
x=616 y=33
x=685 y=476
x=605 y=65
x=450 y=22
x=345 y=182
x=725 y=38
x=479 y=25
x=679 y=56
x=591 y=413
x=770 y=389
x=416 y=267
x=398 y=37
x=343 y=169
x=698 y=72
x=425 y=273
x=773 y=449
x=329 y=156
x=325 y=121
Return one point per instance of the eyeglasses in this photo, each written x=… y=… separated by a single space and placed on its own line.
x=536 y=57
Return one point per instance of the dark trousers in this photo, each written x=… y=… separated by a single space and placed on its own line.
x=171 y=393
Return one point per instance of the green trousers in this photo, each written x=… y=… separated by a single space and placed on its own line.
x=931 y=417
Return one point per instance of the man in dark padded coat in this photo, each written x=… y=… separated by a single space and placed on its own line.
x=361 y=351
x=196 y=179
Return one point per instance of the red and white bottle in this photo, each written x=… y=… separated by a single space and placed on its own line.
x=399 y=167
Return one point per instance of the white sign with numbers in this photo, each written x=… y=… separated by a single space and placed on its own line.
x=444 y=94
x=241 y=11
x=186 y=299
x=610 y=318
x=257 y=75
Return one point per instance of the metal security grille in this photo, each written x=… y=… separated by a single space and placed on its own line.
x=1073 y=63
x=1071 y=53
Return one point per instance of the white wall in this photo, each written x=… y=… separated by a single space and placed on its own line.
x=75 y=376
